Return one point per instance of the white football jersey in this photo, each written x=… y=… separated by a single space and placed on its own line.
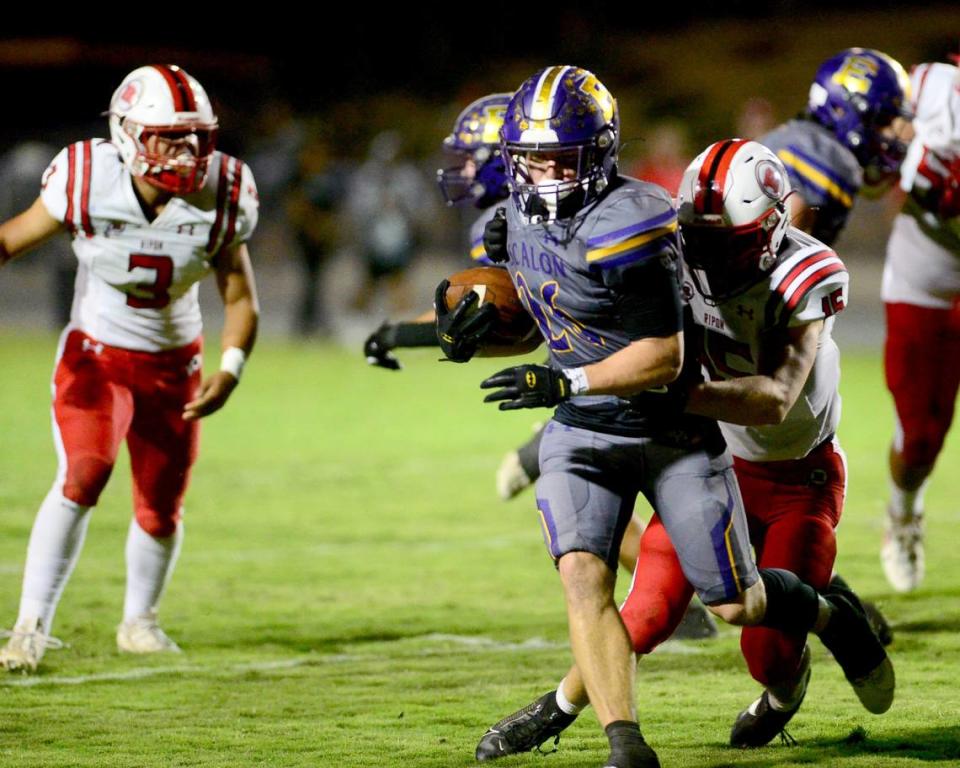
x=936 y=121
x=808 y=283
x=136 y=284
x=934 y=153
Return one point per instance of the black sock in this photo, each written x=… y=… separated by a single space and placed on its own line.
x=529 y=454
x=792 y=605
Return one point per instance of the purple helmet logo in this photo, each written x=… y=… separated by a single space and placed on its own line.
x=855 y=95
x=564 y=116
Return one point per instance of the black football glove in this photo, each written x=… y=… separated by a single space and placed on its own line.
x=377 y=348
x=461 y=329
x=495 y=237
x=527 y=386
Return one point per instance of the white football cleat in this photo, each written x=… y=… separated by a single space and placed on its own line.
x=143 y=635
x=902 y=554
x=511 y=479
x=26 y=646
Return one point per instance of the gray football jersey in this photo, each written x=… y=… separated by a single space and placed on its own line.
x=823 y=171
x=598 y=281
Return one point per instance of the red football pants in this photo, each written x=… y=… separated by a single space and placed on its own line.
x=792 y=509
x=922 y=365
x=105 y=394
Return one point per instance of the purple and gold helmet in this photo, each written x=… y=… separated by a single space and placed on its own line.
x=561 y=115
x=855 y=95
x=478 y=174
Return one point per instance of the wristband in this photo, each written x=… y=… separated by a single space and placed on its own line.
x=578 y=380
x=232 y=361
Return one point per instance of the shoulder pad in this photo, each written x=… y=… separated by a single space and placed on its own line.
x=236 y=200
x=809 y=283
x=67 y=183
x=635 y=222
x=821 y=169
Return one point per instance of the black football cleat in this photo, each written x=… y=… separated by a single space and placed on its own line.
x=759 y=723
x=525 y=729
x=858 y=651
x=637 y=756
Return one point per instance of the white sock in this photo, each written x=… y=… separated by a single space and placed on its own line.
x=564 y=703
x=150 y=562
x=906 y=505
x=55 y=544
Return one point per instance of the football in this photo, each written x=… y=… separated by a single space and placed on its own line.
x=494 y=286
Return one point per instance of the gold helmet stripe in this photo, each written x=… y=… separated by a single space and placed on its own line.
x=546 y=88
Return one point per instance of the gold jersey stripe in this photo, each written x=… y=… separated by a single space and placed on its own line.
x=612 y=250
x=817 y=177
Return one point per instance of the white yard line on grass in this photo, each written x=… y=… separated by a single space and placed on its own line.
x=193 y=669
x=476 y=643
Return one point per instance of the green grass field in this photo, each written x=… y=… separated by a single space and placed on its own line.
x=352 y=593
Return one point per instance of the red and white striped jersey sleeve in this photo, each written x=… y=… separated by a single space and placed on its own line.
x=930 y=84
x=811 y=284
x=65 y=187
x=237 y=204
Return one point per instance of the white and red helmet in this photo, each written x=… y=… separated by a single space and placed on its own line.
x=733 y=215
x=162 y=123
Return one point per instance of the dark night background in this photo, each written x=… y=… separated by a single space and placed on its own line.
x=287 y=82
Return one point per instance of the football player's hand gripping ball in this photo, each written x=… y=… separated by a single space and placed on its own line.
x=461 y=329
x=527 y=386
x=495 y=238
x=377 y=348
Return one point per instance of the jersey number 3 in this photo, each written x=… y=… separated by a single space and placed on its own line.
x=153 y=295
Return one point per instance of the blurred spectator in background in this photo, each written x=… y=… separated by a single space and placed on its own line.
x=20 y=169
x=387 y=199
x=665 y=156
x=312 y=211
x=755 y=118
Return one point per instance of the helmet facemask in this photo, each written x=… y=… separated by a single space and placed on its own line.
x=173 y=158
x=733 y=258
x=473 y=177
x=580 y=173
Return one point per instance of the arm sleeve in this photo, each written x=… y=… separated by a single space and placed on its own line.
x=648 y=300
